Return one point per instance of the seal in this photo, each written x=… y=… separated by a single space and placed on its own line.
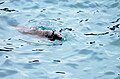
x=50 y=34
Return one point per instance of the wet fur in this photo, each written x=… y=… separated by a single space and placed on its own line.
x=39 y=32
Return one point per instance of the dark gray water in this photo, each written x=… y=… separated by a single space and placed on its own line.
x=90 y=50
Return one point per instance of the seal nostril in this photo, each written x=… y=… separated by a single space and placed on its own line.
x=60 y=38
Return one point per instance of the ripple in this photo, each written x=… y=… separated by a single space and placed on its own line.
x=72 y=65
x=78 y=5
x=116 y=42
x=118 y=77
x=7 y=72
x=64 y=0
x=114 y=5
x=90 y=55
x=8 y=63
x=30 y=65
x=10 y=21
x=33 y=7
x=29 y=0
x=86 y=4
x=15 y=1
x=109 y=73
x=51 y=1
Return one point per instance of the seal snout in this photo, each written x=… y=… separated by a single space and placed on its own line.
x=55 y=36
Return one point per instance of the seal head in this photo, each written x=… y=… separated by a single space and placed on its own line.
x=55 y=36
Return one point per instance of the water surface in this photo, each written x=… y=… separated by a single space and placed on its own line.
x=90 y=50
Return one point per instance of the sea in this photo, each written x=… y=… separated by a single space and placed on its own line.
x=91 y=45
